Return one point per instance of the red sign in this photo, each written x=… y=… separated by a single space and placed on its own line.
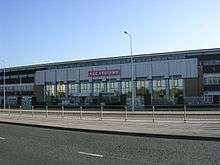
x=99 y=73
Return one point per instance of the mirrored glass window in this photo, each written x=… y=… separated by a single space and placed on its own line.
x=126 y=87
x=61 y=90
x=159 y=88
x=50 y=90
x=112 y=87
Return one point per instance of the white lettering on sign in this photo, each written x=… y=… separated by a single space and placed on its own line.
x=99 y=73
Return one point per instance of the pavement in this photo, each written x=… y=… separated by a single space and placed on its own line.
x=25 y=145
x=196 y=129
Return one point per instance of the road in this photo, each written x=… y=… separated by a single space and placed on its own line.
x=21 y=145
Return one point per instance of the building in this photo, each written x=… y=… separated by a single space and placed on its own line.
x=191 y=77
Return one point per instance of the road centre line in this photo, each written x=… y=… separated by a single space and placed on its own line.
x=90 y=154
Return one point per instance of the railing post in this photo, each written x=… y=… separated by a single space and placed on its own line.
x=32 y=108
x=46 y=111
x=126 y=113
x=62 y=111
x=153 y=113
x=20 y=110
x=81 y=112
x=9 y=110
x=101 y=111
x=184 y=113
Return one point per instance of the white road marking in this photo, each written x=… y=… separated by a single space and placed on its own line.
x=1 y=138
x=90 y=154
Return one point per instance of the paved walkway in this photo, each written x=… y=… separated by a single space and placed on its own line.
x=171 y=128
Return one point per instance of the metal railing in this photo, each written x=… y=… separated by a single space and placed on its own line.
x=153 y=113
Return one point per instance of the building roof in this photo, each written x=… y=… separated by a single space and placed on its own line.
x=99 y=61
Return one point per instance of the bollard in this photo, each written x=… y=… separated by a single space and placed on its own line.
x=126 y=113
x=20 y=110
x=32 y=110
x=46 y=111
x=62 y=111
x=153 y=114
x=101 y=112
x=81 y=112
x=9 y=110
x=184 y=113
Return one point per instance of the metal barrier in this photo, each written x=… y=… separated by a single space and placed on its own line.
x=81 y=110
x=184 y=113
x=126 y=113
x=20 y=111
x=62 y=111
x=155 y=114
x=101 y=111
x=46 y=111
x=32 y=107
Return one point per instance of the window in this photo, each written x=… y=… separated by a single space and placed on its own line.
x=176 y=83
x=112 y=87
x=142 y=87
x=176 y=87
x=30 y=75
x=126 y=87
x=17 y=87
x=211 y=80
x=61 y=90
x=73 y=88
x=85 y=88
x=99 y=87
x=159 y=88
x=50 y=90
x=14 y=76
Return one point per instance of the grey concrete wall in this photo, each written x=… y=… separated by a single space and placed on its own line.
x=185 y=68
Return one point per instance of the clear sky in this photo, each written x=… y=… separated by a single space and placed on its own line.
x=41 y=31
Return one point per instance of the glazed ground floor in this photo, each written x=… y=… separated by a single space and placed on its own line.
x=174 y=90
x=112 y=92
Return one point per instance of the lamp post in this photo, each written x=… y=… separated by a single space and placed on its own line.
x=132 y=70
x=3 y=62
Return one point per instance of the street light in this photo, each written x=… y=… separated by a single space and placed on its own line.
x=3 y=62
x=132 y=70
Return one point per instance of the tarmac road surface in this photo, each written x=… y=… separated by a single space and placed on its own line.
x=25 y=145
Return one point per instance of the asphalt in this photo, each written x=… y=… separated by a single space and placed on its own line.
x=21 y=145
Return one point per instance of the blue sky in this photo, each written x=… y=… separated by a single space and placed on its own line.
x=41 y=31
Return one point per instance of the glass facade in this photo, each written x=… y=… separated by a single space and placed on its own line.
x=17 y=87
x=50 y=90
x=142 y=87
x=99 y=87
x=112 y=87
x=61 y=90
x=126 y=87
x=147 y=91
x=159 y=88
x=85 y=88
x=176 y=87
x=73 y=88
x=211 y=80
